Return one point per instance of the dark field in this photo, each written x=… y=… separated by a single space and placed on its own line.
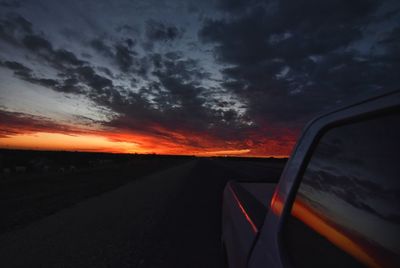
x=119 y=210
x=33 y=193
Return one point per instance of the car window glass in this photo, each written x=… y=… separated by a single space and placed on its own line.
x=347 y=209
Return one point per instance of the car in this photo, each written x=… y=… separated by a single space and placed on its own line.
x=337 y=201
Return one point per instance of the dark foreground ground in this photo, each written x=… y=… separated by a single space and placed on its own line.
x=170 y=218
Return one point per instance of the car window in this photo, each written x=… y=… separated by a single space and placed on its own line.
x=346 y=212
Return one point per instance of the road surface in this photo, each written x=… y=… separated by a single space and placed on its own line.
x=168 y=219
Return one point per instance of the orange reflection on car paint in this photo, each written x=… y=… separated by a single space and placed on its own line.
x=311 y=218
x=276 y=204
x=249 y=220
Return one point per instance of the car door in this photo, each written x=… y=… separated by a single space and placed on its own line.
x=346 y=212
x=341 y=207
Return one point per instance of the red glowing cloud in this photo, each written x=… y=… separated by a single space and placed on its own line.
x=24 y=131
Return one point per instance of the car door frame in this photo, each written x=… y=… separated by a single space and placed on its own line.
x=268 y=250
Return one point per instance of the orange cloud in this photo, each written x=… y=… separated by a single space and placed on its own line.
x=24 y=131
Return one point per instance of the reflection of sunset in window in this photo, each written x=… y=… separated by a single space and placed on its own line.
x=348 y=193
x=335 y=235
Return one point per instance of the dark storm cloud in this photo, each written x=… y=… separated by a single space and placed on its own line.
x=130 y=42
x=66 y=57
x=291 y=59
x=129 y=29
x=25 y=73
x=12 y=26
x=295 y=30
x=232 y=5
x=36 y=43
x=101 y=47
x=19 y=69
x=106 y=71
x=121 y=52
x=176 y=96
x=72 y=35
x=123 y=56
x=10 y=4
x=157 y=31
x=68 y=85
x=18 y=31
x=89 y=77
x=73 y=73
x=44 y=49
x=177 y=104
x=191 y=8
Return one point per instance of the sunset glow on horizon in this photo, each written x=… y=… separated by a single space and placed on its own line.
x=26 y=131
x=110 y=144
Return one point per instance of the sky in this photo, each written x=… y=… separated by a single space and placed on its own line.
x=219 y=77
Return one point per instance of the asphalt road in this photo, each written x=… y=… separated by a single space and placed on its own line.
x=168 y=219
